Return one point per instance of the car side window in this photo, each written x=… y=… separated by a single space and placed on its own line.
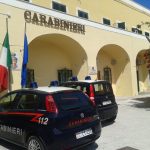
x=78 y=87
x=84 y=88
x=28 y=101
x=6 y=102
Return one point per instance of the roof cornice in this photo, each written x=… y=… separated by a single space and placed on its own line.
x=134 y=5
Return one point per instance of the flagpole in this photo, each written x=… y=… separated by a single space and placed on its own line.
x=9 y=70
x=25 y=28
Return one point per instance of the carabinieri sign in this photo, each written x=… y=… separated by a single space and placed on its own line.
x=52 y=22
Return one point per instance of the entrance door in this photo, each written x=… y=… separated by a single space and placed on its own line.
x=107 y=74
x=64 y=75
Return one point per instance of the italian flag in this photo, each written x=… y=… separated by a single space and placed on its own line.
x=5 y=64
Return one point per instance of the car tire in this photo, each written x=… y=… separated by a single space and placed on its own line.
x=34 y=143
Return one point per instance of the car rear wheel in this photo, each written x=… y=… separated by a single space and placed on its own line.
x=35 y=143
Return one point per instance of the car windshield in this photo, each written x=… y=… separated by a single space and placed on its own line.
x=70 y=100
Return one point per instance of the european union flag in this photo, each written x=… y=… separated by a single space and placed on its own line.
x=24 y=63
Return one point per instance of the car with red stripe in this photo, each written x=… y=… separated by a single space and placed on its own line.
x=48 y=118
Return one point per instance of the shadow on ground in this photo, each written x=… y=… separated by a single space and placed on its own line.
x=107 y=123
x=127 y=148
x=143 y=102
x=92 y=146
x=9 y=146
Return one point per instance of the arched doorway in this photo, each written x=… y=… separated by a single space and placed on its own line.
x=113 y=64
x=56 y=56
x=143 y=71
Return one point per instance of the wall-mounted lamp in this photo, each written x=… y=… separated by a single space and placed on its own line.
x=113 y=61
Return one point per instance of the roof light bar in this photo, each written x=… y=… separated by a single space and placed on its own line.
x=87 y=78
x=74 y=78
x=54 y=83
x=33 y=85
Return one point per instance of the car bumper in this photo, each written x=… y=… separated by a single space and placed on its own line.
x=108 y=112
x=66 y=140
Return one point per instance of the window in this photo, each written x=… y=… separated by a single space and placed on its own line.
x=106 y=21
x=138 y=31
x=146 y=34
x=71 y=100
x=26 y=0
x=28 y=101
x=78 y=87
x=107 y=74
x=99 y=88
x=59 y=7
x=121 y=25
x=6 y=102
x=64 y=75
x=84 y=89
x=135 y=30
x=82 y=14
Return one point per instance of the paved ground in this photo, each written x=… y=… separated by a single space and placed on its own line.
x=130 y=131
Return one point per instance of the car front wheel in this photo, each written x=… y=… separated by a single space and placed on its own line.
x=35 y=143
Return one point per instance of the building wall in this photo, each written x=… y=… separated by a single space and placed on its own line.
x=46 y=51
x=97 y=47
x=115 y=10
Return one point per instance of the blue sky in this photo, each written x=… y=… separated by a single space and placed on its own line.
x=145 y=3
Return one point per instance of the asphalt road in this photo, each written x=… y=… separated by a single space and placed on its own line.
x=130 y=131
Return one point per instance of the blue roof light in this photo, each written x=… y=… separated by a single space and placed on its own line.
x=74 y=78
x=54 y=83
x=87 y=78
x=33 y=85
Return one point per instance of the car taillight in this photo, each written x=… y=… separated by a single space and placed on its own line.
x=50 y=104
x=92 y=94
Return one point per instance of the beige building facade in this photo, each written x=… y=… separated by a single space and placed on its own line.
x=104 y=39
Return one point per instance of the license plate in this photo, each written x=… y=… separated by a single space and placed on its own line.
x=106 y=102
x=84 y=133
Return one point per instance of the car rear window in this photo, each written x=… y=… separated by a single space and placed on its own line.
x=70 y=100
x=102 y=88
